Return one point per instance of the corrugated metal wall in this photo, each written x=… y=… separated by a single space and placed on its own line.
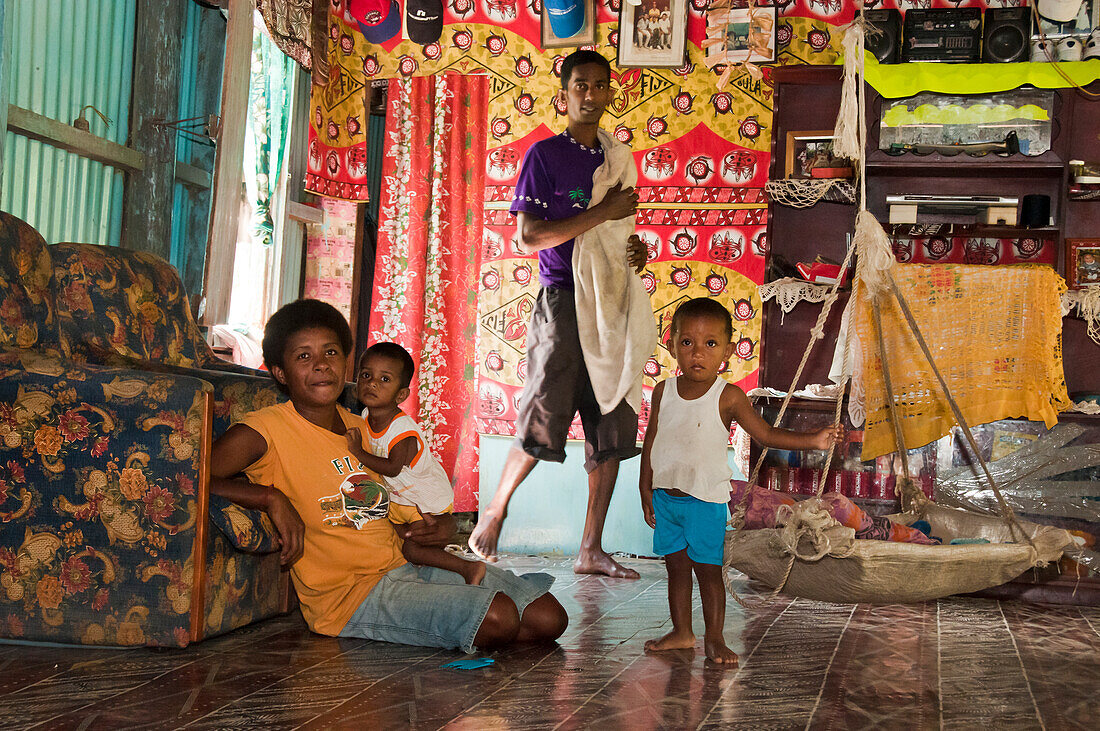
x=66 y=54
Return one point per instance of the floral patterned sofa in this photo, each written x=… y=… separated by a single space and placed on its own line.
x=109 y=401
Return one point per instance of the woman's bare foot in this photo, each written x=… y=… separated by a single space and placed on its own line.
x=593 y=562
x=718 y=652
x=473 y=572
x=483 y=539
x=674 y=640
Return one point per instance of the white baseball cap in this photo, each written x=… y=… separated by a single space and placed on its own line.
x=1060 y=11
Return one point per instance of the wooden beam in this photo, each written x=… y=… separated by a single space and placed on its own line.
x=150 y=192
x=193 y=176
x=197 y=624
x=66 y=137
x=229 y=165
x=304 y=214
x=37 y=127
x=292 y=215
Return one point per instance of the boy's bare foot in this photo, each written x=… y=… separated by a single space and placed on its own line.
x=718 y=652
x=600 y=563
x=483 y=539
x=672 y=641
x=473 y=572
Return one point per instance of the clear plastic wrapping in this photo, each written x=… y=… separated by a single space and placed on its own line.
x=1054 y=478
x=943 y=120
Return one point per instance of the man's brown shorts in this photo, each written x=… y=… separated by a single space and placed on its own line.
x=558 y=387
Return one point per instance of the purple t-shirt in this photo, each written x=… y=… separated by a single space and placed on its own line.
x=555 y=182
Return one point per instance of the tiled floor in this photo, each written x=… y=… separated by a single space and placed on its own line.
x=955 y=663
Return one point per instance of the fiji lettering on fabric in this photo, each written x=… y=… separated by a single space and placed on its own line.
x=345 y=465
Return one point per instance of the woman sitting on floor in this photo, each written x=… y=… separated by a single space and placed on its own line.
x=293 y=462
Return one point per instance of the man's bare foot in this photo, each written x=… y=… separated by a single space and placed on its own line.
x=483 y=540
x=672 y=641
x=599 y=563
x=473 y=572
x=718 y=652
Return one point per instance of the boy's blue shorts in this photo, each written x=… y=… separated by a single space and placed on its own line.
x=688 y=522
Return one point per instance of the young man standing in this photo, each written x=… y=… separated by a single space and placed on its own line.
x=552 y=208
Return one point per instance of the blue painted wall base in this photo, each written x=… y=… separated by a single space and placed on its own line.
x=546 y=514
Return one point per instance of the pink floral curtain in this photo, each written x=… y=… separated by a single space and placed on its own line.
x=429 y=256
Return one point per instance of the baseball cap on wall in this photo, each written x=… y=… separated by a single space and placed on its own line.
x=566 y=16
x=424 y=20
x=369 y=12
x=387 y=29
x=1060 y=11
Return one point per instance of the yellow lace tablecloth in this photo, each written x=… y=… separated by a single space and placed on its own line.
x=996 y=335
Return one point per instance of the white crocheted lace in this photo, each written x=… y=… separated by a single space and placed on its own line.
x=1087 y=303
x=788 y=292
x=803 y=193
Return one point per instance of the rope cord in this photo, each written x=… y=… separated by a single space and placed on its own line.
x=891 y=402
x=737 y=520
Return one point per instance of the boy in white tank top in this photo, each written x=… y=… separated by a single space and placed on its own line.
x=685 y=475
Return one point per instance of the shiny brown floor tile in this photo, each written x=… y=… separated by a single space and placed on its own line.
x=955 y=663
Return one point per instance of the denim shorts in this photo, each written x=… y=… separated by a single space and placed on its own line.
x=432 y=607
x=691 y=523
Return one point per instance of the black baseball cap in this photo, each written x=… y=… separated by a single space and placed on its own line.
x=424 y=20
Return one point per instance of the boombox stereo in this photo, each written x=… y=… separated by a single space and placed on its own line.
x=949 y=34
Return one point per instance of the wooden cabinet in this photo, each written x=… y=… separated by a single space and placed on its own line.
x=807 y=98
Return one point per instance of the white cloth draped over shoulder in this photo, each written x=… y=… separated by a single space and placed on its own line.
x=614 y=316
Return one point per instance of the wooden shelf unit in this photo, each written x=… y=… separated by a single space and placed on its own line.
x=808 y=98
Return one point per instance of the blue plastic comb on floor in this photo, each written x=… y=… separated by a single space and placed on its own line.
x=469 y=663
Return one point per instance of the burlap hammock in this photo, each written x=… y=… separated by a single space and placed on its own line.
x=811 y=555
x=814 y=557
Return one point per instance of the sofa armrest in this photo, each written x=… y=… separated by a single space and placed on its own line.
x=101 y=473
x=248 y=530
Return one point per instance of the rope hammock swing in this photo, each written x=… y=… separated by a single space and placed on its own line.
x=809 y=554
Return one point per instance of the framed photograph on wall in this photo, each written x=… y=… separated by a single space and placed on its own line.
x=653 y=34
x=586 y=36
x=750 y=35
x=1082 y=263
x=810 y=151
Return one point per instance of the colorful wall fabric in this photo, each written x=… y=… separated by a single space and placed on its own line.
x=428 y=258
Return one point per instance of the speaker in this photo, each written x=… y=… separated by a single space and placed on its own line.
x=885 y=45
x=1006 y=35
x=1035 y=211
